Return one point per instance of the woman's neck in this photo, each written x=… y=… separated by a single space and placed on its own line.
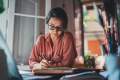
x=54 y=38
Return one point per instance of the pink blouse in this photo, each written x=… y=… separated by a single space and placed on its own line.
x=62 y=53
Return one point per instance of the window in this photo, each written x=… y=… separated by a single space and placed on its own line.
x=29 y=22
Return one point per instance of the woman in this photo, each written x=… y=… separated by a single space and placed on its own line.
x=56 y=48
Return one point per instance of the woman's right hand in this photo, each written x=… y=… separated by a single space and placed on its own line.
x=42 y=65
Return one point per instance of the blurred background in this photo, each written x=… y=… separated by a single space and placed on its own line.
x=90 y=22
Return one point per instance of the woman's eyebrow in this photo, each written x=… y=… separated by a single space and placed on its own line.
x=54 y=26
x=51 y=24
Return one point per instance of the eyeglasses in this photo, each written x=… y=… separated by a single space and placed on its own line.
x=59 y=28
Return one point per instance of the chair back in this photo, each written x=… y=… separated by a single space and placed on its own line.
x=3 y=66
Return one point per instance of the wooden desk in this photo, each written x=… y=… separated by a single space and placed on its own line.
x=51 y=75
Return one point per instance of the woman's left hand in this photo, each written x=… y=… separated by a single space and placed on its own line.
x=42 y=65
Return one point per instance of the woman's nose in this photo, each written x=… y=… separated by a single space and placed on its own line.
x=55 y=30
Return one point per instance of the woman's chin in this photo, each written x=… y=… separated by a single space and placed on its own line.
x=55 y=35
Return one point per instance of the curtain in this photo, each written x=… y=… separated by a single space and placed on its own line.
x=79 y=32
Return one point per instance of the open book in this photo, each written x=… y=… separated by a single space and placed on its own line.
x=54 y=70
x=63 y=70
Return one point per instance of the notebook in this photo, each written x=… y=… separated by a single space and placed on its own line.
x=54 y=70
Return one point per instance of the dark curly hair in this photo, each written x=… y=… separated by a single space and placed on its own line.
x=58 y=13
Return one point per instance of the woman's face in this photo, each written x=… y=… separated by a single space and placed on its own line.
x=55 y=26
